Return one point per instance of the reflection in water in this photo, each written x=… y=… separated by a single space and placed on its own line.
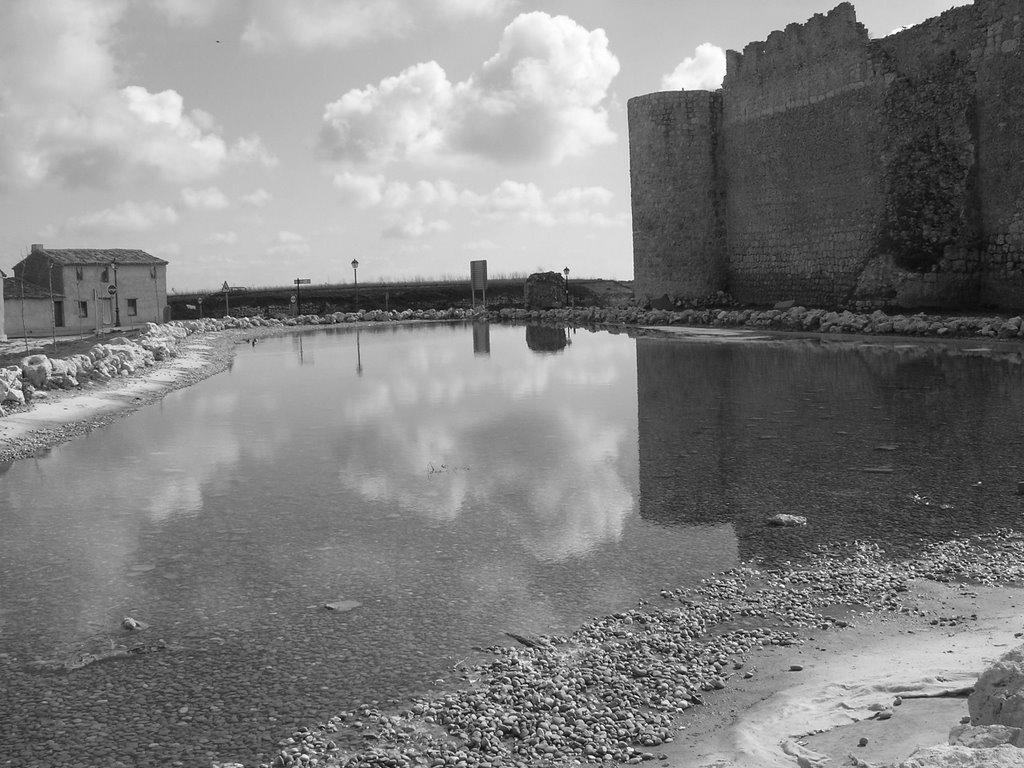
x=890 y=442
x=481 y=338
x=547 y=338
x=455 y=496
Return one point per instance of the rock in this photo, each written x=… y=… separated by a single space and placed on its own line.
x=998 y=697
x=984 y=736
x=342 y=605
x=787 y=520
x=964 y=757
x=133 y=625
x=36 y=369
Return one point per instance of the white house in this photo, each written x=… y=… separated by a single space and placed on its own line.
x=83 y=290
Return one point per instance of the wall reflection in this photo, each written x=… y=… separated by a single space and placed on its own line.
x=884 y=441
x=546 y=338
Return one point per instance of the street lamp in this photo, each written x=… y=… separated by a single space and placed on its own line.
x=566 y=273
x=355 y=279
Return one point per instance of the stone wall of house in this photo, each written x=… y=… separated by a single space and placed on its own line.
x=845 y=171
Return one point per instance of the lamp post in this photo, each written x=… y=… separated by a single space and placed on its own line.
x=117 y=301
x=355 y=280
x=566 y=273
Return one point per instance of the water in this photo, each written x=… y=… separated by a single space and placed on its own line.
x=458 y=482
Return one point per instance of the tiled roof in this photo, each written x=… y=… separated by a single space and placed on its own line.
x=73 y=256
x=16 y=288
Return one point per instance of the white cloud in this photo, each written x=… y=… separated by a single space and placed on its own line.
x=68 y=118
x=257 y=198
x=195 y=12
x=414 y=225
x=289 y=244
x=341 y=23
x=223 y=238
x=705 y=70
x=509 y=201
x=128 y=216
x=210 y=199
x=251 y=149
x=539 y=98
x=480 y=245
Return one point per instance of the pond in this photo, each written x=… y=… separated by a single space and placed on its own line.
x=439 y=486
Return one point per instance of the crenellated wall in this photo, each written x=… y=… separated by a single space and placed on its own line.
x=844 y=170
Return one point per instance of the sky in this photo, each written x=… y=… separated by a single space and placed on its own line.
x=254 y=142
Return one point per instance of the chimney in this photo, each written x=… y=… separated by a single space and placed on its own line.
x=37 y=247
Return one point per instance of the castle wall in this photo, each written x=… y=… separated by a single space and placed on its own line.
x=850 y=170
x=1000 y=127
x=678 y=242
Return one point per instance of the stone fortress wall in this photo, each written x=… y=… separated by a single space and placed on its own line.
x=832 y=169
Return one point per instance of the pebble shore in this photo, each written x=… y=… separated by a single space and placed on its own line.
x=618 y=688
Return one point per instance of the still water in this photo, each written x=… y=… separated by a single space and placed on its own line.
x=457 y=482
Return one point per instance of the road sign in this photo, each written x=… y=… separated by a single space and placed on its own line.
x=111 y=289
x=293 y=298
x=225 y=287
x=302 y=281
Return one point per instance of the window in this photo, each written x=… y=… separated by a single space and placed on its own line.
x=83 y=309
x=78 y=273
x=58 y=314
x=133 y=307
x=105 y=275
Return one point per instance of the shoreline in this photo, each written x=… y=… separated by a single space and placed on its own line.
x=751 y=710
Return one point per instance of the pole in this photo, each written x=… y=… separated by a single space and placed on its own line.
x=117 y=300
x=53 y=305
x=298 y=297
x=355 y=279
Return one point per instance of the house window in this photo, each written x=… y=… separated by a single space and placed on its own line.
x=79 y=273
x=105 y=275
x=133 y=307
x=83 y=309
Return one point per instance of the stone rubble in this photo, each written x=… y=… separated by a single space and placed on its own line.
x=615 y=690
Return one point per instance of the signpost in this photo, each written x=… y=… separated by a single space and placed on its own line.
x=478 y=280
x=226 y=288
x=298 y=295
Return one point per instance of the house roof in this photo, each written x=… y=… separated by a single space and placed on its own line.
x=16 y=288
x=75 y=256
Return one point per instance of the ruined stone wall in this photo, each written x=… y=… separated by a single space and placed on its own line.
x=999 y=61
x=678 y=243
x=854 y=171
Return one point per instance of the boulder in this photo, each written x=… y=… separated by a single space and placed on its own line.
x=984 y=736
x=998 y=697
x=787 y=520
x=959 y=756
x=36 y=369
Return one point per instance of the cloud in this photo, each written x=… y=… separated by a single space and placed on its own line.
x=210 y=199
x=250 y=149
x=705 y=70
x=414 y=225
x=128 y=216
x=223 y=238
x=509 y=201
x=257 y=198
x=68 y=118
x=289 y=244
x=193 y=12
x=342 y=23
x=538 y=99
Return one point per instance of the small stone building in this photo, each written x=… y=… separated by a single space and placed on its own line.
x=79 y=290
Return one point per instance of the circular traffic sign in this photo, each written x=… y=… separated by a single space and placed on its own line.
x=293 y=298
x=111 y=289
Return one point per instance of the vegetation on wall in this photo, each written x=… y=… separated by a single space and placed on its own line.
x=930 y=159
